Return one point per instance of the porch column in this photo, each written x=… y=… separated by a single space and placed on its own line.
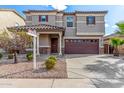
x=34 y=53
x=60 y=43
x=101 y=45
x=38 y=53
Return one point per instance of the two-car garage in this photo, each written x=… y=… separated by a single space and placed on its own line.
x=81 y=46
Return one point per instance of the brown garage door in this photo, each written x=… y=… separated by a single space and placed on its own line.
x=81 y=46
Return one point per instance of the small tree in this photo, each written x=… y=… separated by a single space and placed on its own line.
x=13 y=41
x=116 y=42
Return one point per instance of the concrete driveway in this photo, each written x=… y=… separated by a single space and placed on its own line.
x=101 y=70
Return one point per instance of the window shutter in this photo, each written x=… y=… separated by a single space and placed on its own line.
x=46 y=18
x=39 y=18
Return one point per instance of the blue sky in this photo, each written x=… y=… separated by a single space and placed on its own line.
x=115 y=12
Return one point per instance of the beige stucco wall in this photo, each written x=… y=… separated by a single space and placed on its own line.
x=96 y=29
x=70 y=31
x=59 y=20
x=35 y=20
x=44 y=40
x=9 y=18
x=80 y=26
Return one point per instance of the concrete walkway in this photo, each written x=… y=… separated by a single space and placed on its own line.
x=46 y=83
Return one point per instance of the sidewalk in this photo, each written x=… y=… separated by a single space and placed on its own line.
x=46 y=83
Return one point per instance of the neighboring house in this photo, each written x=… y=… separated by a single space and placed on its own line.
x=79 y=32
x=9 y=17
x=108 y=49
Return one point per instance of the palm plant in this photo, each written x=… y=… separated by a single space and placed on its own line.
x=120 y=26
x=116 y=42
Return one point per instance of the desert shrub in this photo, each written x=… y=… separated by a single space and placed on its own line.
x=1 y=55
x=50 y=63
x=29 y=56
x=10 y=56
x=53 y=57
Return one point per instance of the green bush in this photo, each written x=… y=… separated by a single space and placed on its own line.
x=50 y=63
x=29 y=56
x=53 y=57
x=10 y=56
x=1 y=55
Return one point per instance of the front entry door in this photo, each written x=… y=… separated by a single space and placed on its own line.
x=54 y=45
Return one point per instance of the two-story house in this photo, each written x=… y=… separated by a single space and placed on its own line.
x=79 y=32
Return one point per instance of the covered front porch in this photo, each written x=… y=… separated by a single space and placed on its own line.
x=49 y=43
x=49 y=38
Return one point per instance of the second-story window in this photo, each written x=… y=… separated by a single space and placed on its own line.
x=43 y=18
x=90 y=19
x=69 y=21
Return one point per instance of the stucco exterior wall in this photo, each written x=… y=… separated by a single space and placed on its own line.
x=96 y=29
x=44 y=40
x=70 y=31
x=10 y=19
x=59 y=20
x=80 y=26
x=121 y=49
x=35 y=20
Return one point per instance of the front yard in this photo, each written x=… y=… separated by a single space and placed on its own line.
x=71 y=70
x=24 y=69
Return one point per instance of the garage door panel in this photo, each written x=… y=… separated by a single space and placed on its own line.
x=81 y=46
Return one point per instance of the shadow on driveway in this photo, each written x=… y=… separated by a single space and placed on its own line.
x=114 y=73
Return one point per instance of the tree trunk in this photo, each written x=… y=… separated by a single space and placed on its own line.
x=116 y=51
x=15 y=57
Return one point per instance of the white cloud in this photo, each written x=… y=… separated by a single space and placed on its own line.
x=59 y=7
x=106 y=25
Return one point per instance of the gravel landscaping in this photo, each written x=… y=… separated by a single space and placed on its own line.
x=25 y=70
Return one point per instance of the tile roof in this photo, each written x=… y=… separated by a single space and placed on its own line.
x=39 y=26
x=69 y=12
x=28 y=11
x=66 y=12
x=91 y=12
x=113 y=35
